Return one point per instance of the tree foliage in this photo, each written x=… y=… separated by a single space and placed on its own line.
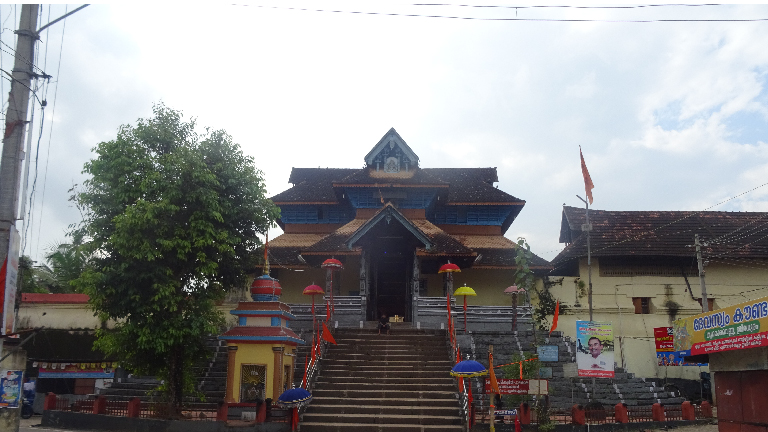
x=171 y=218
x=525 y=278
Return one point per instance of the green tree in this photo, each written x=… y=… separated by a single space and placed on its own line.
x=525 y=278
x=65 y=263
x=32 y=279
x=171 y=218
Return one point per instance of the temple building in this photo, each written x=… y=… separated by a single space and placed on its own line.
x=393 y=224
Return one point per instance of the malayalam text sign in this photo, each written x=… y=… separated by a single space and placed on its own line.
x=741 y=326
x=519 y=387
x=594 y=350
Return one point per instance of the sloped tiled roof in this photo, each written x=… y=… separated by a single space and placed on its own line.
x=473 y=185
x=505 y=259
x=485 y=241
x=443 y=243
x=465 y=185
x=664 y=233
x=312 y=185
x=336 y=241
x=368 y=176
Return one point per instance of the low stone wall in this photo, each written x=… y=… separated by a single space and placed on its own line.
x=608 y=427
x=84 y=421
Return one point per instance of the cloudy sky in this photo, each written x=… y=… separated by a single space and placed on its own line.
x=671 y=112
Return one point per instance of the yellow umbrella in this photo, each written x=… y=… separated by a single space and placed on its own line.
x=465 y=291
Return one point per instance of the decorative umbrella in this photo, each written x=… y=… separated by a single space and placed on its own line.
x=465 y=291
x=313 y=290
x=513 y=291
x=468 y=369
x=331 y=265
x=449 y=269
x=294 y=398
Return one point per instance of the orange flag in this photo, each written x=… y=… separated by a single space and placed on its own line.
x=494 y=383
x=554 y=319
x=327 y=336
x=588 y=185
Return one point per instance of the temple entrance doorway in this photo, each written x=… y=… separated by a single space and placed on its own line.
x=391 y=289
x=391 y=247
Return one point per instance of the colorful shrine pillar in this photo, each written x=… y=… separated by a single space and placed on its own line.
x=261 y=347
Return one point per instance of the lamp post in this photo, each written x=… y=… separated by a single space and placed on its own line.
x=513 y=291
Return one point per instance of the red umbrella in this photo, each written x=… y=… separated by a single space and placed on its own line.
x=449 y=268
x=332 y=264
x=313 y=290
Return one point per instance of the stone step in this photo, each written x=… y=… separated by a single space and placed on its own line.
x=388 y=418
x=396 y=380
x=393 y=387
x=357 y=427
x=393 y=394
x=354 y=366
x=354 y=408
x=385 y=373
x=377 y=402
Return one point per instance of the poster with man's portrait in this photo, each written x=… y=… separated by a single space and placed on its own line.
x=594 y=349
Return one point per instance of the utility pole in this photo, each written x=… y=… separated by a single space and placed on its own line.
x=12 y=157
x=704 y=301
x=15 y=123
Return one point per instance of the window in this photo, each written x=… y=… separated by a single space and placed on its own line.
x=710 y=303
x=642 y=305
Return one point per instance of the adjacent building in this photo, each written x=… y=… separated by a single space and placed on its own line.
x=645 y=273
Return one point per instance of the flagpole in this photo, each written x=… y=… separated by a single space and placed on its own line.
x=588 y=228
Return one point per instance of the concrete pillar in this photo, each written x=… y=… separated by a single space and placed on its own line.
x=578 y=415
x=134 y=407
x=17 y=361
x=277 y=379
x=230 y=394
x=657 y=412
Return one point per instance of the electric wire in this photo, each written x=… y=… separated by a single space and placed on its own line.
x=507 y=19
x=50 y=133
x=573 y=6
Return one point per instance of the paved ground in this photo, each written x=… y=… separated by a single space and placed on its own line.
x=33 y=425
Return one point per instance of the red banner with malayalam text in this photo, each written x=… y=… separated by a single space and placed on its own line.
x=509 y=386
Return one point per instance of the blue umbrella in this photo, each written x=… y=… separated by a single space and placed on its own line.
x=294 y=397
x=468 y=369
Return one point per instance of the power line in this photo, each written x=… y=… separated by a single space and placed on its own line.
x=572 y=6
x=50 y=133
x=508 y=19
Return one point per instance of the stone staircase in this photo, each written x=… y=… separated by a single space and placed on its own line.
x=398 y=382
x=566 y=389
x=211 y=381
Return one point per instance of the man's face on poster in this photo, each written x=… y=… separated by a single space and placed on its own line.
x=595 y=347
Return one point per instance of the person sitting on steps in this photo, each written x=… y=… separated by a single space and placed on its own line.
x=384 y=324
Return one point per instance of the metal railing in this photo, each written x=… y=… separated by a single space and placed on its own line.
x=116 y=408
x=640 y=414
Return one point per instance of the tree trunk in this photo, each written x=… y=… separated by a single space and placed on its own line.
x=176 y=381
